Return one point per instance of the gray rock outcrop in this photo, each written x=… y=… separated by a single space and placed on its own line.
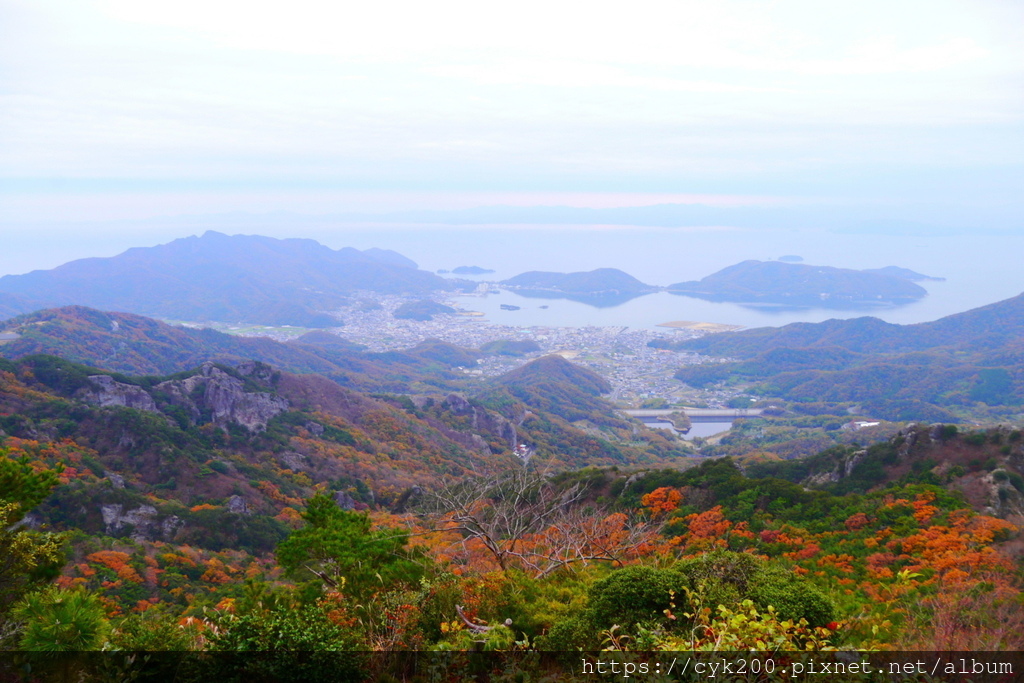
x=482 y=420
x=224 y=397
x=344 y=500
x=145 y=522
x=238 y=505
x=105 y=391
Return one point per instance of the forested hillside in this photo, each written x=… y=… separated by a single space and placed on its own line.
x=964 y=365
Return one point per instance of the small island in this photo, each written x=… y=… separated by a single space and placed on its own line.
x=471 y=270
x=601 y=287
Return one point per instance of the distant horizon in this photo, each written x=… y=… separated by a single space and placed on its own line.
x=981 y=276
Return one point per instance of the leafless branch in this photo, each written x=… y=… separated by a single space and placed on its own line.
x=524 y=520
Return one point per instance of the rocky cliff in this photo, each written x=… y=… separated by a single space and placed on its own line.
x=215 y=393
x=210 y=395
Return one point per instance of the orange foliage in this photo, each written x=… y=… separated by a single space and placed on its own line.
x=274 y=493
x=662 y=500
x=289 y=516
x=226 y=605
x=743 y=531
x=857 y=521
x=711 y=524
x=922 y=510
x=215 y=572
x=118 y=562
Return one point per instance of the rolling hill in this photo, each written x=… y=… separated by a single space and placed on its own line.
x=986 y=327
x=554 y=392
x=967 y=364
x=134 y=344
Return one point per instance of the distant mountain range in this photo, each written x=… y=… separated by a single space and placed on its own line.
x=797 y=284
x=299 y=282
x=216 y=277
x=904 y=273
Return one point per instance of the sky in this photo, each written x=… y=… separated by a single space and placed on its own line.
x=126 y=122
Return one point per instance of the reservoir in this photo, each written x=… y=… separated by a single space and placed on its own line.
x=703 y=422
x=697 y=429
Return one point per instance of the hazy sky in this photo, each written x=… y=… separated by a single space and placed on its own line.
x=125 y=109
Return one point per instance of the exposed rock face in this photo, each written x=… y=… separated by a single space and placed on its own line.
x=105 y=391
x=258 y=371
x=841 y=471
x=224 y=397
x=144 y=521
x=294 y=461
x=483 y=420
x=344 y=501
x=853 y=461
x=212 y=394
x=238 y=505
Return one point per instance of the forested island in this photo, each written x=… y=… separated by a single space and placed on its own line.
x=798 y=284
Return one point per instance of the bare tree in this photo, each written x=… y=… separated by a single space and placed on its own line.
x=526 y=521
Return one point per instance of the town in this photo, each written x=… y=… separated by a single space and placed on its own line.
x=641 y=376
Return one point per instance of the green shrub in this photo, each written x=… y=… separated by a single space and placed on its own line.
x=728 y=578
x=634 y=594
x=793 y=598
x=975 y=438
x=571 y=633
x=219 y=467
x=720 y=577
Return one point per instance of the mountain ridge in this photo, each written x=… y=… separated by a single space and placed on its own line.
x=237 y=278
x=982 y=327
x=964 y=365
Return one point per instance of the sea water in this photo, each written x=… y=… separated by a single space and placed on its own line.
x=978 y=269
